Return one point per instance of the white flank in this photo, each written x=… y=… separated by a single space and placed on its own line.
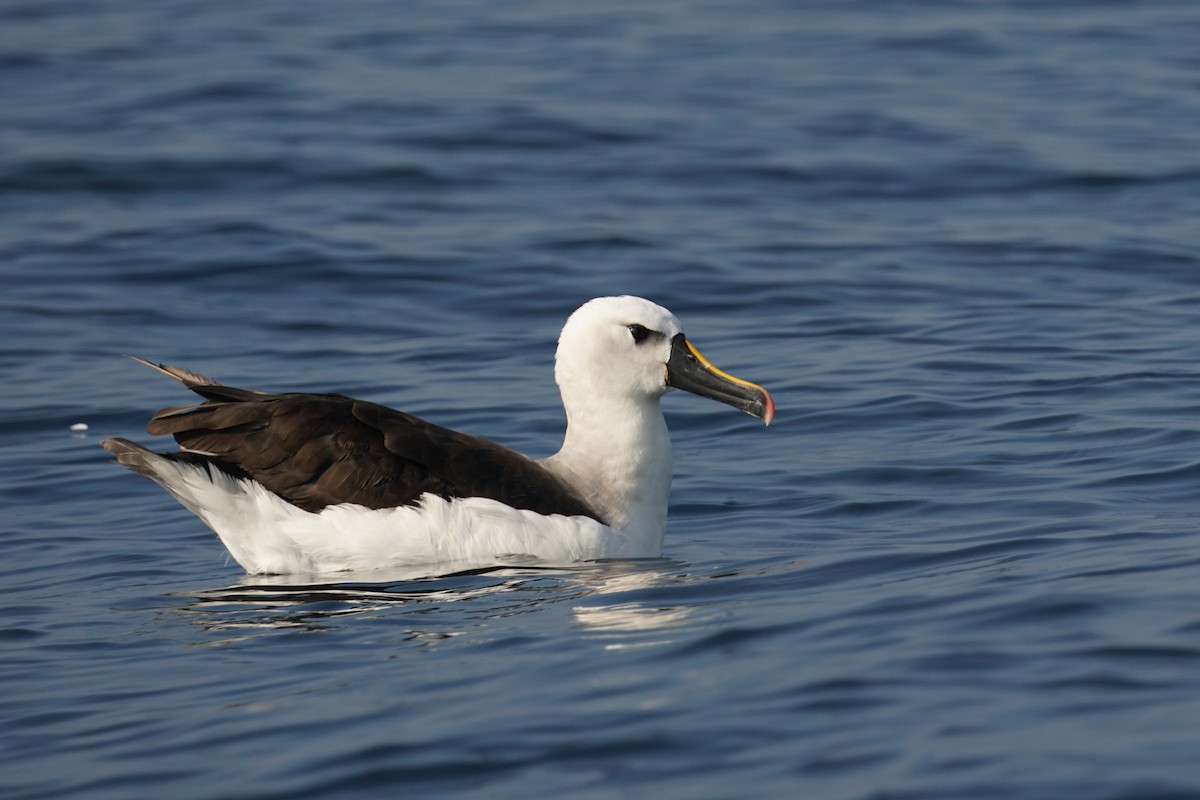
x=268 y=535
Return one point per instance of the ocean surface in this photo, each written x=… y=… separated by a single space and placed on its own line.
x=958 y=241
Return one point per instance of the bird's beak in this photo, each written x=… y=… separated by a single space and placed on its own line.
x=692 y=372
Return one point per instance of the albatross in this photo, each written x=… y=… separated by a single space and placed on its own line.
x=314 y=483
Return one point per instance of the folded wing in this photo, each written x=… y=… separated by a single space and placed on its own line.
x=316 y=450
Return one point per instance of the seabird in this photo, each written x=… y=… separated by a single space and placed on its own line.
x=314 y=483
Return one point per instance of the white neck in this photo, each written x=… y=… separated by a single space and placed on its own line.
x=617 y=457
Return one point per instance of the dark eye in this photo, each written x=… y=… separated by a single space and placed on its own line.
x=639 y=332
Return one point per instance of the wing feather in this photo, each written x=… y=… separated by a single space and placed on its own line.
x=316 y=450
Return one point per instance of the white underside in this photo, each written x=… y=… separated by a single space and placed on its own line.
x=268 y=535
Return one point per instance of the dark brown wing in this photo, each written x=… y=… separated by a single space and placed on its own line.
x=316 y=450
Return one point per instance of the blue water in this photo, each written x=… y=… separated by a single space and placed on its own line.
x=960 y=242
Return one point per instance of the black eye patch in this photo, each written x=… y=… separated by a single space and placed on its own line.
x=639 y=333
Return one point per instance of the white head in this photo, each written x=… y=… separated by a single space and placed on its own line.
x=619 y=350
x=615 y=349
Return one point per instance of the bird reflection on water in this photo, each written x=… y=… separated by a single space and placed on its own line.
x=259 y=604
x=622 y=604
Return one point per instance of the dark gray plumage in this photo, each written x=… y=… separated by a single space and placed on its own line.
x=316 y=450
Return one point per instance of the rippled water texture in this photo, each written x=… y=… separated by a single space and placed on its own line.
x=958 y=241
